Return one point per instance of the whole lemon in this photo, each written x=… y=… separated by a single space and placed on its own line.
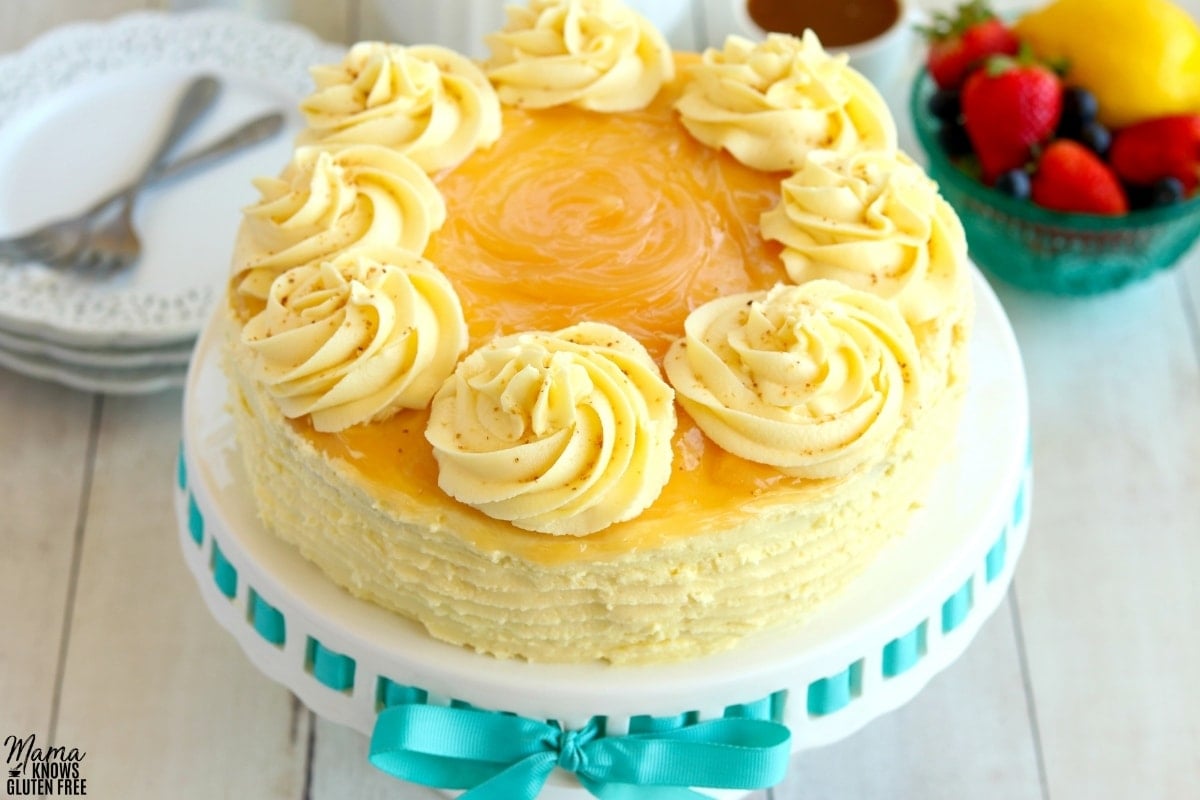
x=1141 y=58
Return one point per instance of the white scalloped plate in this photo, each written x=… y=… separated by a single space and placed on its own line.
x=167 y=355
x=81 y=107
x=107 y=380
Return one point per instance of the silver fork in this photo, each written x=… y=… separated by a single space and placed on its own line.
x=64 y=241
x=252 y=132
x=111 y=243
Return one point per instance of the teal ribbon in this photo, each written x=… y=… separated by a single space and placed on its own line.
x=505 y=757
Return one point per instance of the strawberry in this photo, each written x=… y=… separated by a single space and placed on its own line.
x=961 y=41
x=1163 y=147
x=1009 y=107
x=1070 y=177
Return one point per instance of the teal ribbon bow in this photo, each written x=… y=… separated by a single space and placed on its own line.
x=506 y=757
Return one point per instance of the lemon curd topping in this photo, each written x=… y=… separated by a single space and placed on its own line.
x=624 y=219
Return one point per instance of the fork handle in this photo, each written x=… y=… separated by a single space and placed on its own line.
x=252 y=132
x=197 y=98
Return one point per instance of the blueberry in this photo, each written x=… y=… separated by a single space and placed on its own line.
x=1166 y=192
x=1014 y=183
x=954 y=140
x=1163 y=192
x=1095 y=137
x=945 y=105
x=1079 y=107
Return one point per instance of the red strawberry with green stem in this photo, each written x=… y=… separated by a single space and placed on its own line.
x=961 y=41
x=1009 y=107
x=1072 y=178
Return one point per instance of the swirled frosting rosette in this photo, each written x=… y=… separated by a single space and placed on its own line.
x=559 y=433
x=357 y=337
x=427 y=102
x=874 y=221
x=814 y=379
x=326 y=201
x=594 y=54
x=770 y=103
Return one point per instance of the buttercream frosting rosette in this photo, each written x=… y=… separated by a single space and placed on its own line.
x=874 y=221
x=325 y=201
x=812 y=379
x=561 y=433
x=598 y=55
x=427 y=102
x=357 y=337
x=770 y=103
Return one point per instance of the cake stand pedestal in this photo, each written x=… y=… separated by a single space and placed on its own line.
x=866 y=652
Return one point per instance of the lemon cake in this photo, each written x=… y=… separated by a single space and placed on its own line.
x=592 y=350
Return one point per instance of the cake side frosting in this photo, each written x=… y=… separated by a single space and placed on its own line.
x=681 y=595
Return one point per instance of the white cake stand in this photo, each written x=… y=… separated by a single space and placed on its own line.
x=868 y=651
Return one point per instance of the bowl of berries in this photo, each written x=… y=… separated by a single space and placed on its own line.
x=1066 y=180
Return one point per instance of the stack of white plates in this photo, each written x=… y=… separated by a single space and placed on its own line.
x=80 y=110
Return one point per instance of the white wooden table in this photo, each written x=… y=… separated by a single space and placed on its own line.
x=1083 y=685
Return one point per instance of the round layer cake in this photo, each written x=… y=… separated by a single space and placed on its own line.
x=592 y=350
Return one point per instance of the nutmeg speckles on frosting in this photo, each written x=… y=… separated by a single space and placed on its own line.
x=428 y=102
x=770 y=103
x=875 y=221
x=812 y=379
x=357 y=337
x=325 y=201
x=561 y=433
x=594 y=54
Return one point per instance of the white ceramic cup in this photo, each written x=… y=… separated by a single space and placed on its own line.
x=881 y=59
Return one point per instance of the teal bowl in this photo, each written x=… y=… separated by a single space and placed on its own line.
x=1044 y=250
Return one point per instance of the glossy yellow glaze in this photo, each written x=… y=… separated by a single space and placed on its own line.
x=619 y=218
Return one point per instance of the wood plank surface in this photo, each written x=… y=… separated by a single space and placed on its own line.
x=340 y=769
x=161 y=697
x=1189 y=279
x=1107 y=585
x=48 y=431
x=1081 y=687
x=968 y=734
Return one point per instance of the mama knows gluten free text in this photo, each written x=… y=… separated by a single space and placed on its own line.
x=49 y=771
